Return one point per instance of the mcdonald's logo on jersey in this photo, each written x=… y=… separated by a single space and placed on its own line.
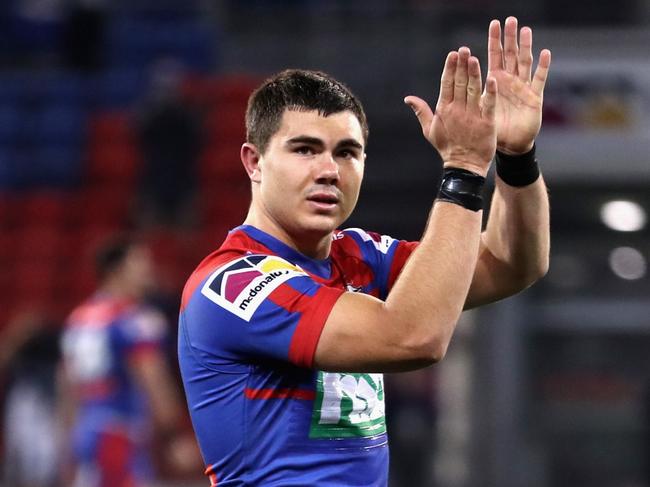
x=242 y=285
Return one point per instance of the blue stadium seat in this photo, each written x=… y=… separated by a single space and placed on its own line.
x=140 y=42
x=9 y=123
x=62 y=87
x=6 y=170
x=13 y=87
x=56 y=167
x=117 y=88
x=46 y=167
x=61 y=123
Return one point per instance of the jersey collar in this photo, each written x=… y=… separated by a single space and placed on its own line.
x=321 y=268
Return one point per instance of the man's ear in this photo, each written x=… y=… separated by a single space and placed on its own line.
x=250 y=158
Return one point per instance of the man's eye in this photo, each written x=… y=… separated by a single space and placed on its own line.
x=304 y=150
x=347 y=154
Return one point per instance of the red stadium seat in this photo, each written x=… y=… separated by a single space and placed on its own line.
x=45 y=208
x=175 y=254
x=225 y=208
x=220 y=166
x=232 y=88
x=111 y=128
x=39 y=243
x=80 y=283
x=8 y=211
x=115 y=164
x=212 y=236
x=220 y=90
x=8 y=246
x=225 y=124
x=108 y=207
x=34 y=282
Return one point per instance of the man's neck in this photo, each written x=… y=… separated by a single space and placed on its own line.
x=313 y=245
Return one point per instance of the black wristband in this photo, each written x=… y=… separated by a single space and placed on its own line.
x=462 y=187
x=520 y=170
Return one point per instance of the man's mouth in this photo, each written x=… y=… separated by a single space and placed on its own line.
x=324 y=200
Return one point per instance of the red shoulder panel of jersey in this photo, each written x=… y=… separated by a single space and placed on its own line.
x=314 y=313
x=402 y=253
x=236 y=244
x=351 y=262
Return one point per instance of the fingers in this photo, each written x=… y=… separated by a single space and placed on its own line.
x=516 y=55
x=461 y=76
x=525 y=54
x=495 y=50
x=541 y=73
x=510 y=48
x=447 y=80
x=422 y=111
x=460 y=84
x=489 y=99
x=474 y=84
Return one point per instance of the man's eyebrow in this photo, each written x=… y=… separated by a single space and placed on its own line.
x=305 y=139
x=349 y=143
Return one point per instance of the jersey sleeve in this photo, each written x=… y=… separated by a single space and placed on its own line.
x=257 y=307
x=385 y=255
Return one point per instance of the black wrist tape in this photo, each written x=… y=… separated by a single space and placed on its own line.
x=520 y=170
x=462 y=187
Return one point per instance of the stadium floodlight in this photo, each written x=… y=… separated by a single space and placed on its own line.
x=623 y=215
x=628 y=263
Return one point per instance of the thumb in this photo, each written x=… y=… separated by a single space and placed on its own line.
x=422 y=110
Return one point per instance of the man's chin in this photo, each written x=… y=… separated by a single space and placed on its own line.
x=322 y=225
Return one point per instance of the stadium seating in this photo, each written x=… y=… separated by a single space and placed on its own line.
x=70 y=163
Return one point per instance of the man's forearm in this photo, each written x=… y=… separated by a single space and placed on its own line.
x=517 y=233
x=433 y=285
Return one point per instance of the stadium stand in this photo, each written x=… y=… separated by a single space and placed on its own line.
x=69 y=161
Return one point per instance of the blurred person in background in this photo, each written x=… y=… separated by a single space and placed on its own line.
x=29 y=354
x=285 y=331
x=83 y=35
x=116 y=380
x=170 y=141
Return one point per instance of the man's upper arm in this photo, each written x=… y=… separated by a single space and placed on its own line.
x=356 y=336
x=359 y=337
x=257 y=307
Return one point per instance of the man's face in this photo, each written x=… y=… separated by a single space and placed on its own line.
x=138 y=270
x=311 y=172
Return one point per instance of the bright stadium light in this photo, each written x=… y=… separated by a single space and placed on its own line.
x=628 y=263
x=623 y=215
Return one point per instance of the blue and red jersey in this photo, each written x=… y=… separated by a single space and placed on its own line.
x=102 y=336
x=251 y=317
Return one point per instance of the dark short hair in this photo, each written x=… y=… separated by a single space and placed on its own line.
x=299 y=90
x=111 y=254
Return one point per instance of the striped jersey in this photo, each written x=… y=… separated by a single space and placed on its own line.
x=250 y=320
x=102 y=336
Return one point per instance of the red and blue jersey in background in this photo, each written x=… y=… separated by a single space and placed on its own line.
x=251 y=317
x=102 y=337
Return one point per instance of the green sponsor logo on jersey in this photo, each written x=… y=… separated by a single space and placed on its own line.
x=348 y=405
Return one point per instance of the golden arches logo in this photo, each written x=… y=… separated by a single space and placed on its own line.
x=270 y=265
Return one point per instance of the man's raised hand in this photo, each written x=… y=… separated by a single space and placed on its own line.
x=519 y=105
x=463 y=127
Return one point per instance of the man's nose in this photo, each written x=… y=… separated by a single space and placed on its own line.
x=327 y=169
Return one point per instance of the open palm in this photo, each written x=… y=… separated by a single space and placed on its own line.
x=519 y=104
x=463 y=127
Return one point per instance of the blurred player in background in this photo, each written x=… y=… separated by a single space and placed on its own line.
x=29 y=355
x=116 y=378
x=286 y=329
